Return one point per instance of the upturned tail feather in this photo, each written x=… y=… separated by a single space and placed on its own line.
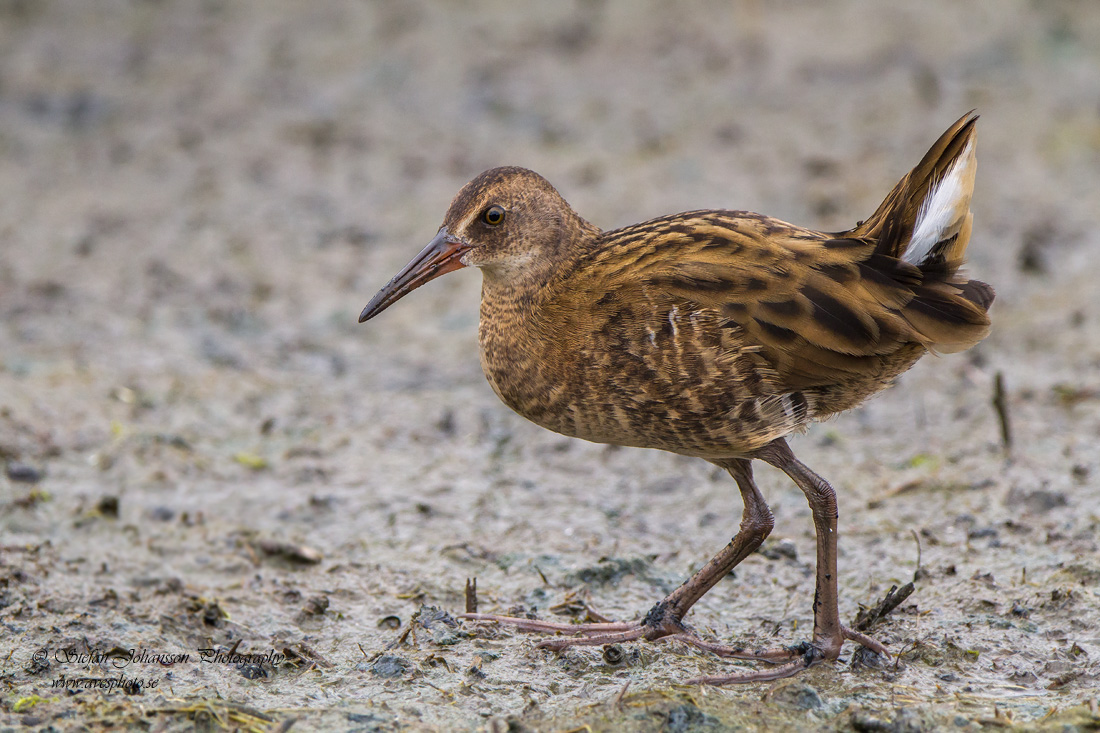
x=925 y=222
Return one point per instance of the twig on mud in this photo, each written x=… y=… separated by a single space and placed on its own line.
x=916 y=538
x=1000 y=404
x=437 y=688
x=410 y=627
x=542 y=575
x=591 y=614
x=1000 y=719
x=911 y=646
x=404 y=634
x=306 y=653
x=617 y=701
x=471 y=595
x=865 y=619
x=575 y=604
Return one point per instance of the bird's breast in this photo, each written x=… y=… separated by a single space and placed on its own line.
x=526 y=366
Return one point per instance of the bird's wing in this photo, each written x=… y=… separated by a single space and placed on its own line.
x=819 y=309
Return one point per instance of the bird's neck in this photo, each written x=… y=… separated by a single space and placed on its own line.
x=516 y=350
x=527 y=348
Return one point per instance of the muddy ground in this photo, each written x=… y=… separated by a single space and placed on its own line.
x=204 y=450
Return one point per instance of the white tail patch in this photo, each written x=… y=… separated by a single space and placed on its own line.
x=944 y=209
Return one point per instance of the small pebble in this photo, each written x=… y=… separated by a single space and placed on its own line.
x=24 y=473
x=799 y=697
x=108 y=506
x=390 y=622
x=315 y=606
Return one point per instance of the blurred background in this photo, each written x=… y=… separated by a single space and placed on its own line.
x=198 y=198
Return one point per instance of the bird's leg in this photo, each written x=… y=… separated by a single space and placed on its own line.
x=829 y=634
x=666 y=618
x=756 y=525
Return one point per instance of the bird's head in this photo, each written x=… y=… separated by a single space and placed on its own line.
x=510 y=222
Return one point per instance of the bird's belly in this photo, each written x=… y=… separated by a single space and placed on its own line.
x=705 y=417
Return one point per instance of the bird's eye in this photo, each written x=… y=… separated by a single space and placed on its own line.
x=493 y=216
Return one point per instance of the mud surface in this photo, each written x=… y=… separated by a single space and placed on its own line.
x=203 y=450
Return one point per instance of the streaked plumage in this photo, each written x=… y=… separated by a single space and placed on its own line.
x=712 y=334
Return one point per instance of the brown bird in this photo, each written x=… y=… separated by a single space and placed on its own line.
x=713 y=334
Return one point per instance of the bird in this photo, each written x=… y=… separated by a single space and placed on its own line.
x=714 y=334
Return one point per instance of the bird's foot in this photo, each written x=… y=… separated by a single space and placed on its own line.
x=789 y=660
x=658 y=623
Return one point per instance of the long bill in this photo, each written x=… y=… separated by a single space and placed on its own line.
x=442 y=255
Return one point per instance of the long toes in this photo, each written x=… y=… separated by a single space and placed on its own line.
x=547 y=627
x=561 y=644
x=797 y=658
x=790 y=660
x=867 y=641
x=777 y=655
x=764 y=675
